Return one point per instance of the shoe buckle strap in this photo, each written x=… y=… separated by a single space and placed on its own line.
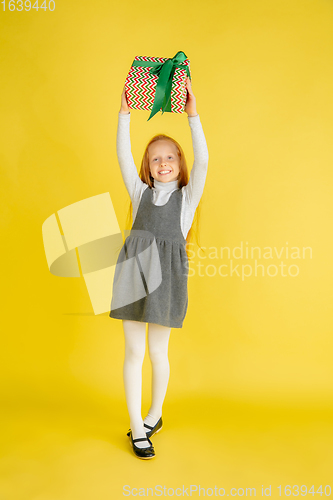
x=142 y=439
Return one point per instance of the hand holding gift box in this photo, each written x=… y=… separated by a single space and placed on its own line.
x=155 y=83
x=191 y=103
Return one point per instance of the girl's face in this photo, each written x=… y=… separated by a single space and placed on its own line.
x=163 y=160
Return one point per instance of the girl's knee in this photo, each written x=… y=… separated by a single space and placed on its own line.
x=158 y=354
x=135 y=352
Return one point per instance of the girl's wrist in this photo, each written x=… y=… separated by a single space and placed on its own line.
x=123 y=112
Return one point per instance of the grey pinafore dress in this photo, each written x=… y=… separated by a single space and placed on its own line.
x=150 y=280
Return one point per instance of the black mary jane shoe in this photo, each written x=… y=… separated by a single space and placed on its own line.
x=153 y=430
x=143 y=453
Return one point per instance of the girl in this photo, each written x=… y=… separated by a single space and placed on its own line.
x=150 y=281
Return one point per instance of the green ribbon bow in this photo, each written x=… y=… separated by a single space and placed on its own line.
x=165 y=72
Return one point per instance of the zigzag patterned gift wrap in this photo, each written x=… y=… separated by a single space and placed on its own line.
x=140 y=86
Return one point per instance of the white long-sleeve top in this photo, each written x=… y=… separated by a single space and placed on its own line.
x=191 y=193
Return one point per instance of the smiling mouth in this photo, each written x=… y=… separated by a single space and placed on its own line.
x=164 y=172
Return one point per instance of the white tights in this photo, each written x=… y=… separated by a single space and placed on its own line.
x=135 y=347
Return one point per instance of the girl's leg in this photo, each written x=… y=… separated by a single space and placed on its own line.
x=158 y=342
x=135 y=346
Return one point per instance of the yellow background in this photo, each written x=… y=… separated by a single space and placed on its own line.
x=249 y=401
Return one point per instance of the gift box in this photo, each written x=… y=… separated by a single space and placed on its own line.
x=158 y=83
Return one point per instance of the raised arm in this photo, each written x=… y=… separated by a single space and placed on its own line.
x=128 y=169
x=195 y=186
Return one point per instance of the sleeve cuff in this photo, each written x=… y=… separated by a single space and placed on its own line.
x=192 y=118
x=124 y=116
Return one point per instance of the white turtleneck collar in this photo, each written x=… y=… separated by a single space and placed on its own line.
x=165 y=186
x=162 y=191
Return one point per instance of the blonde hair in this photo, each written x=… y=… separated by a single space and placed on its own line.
x=183 y=178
